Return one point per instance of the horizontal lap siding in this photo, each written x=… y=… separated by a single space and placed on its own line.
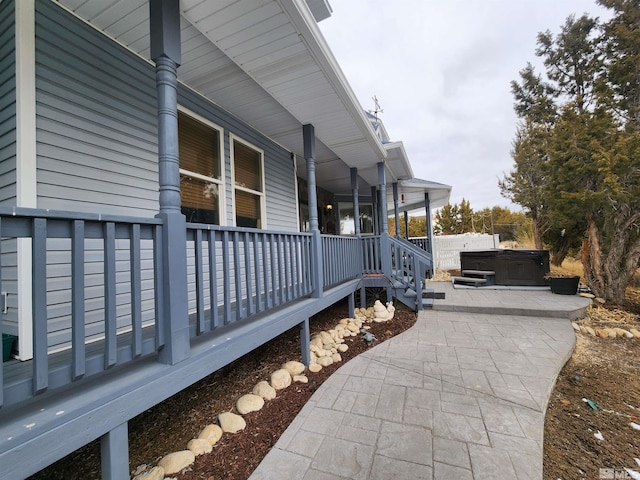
x=8 y=157
x=97 y=153
x=96 y=120
x=7 y=105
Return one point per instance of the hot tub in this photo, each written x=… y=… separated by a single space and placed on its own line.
x=512 y=266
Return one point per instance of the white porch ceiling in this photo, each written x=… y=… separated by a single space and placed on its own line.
x=267 y=62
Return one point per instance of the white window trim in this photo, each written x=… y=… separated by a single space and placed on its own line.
x=26 y=169
x=220 y=182
x=263 y=200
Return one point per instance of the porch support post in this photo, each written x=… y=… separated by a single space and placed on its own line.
x=376 y=216
x=396 y=212
x=385 y=243
x=309 y=140
x=165 y=52
x=427 y=208
x=352 y=304
x=305 y=342
x=356 y=201
x=382 y=202
x=406 y=225
x=114 y=453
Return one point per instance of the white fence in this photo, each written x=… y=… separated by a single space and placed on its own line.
x=447 y=248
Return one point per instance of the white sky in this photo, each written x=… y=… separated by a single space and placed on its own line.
x=441 y=70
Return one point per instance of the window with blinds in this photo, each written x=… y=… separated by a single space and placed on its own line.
x=200 y=170
x=249 y=185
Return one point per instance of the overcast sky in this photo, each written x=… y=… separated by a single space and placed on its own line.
x=441 y=70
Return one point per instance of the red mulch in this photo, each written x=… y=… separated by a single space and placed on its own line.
x=170 y=425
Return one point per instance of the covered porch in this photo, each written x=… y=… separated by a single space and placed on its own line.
x=117 y=310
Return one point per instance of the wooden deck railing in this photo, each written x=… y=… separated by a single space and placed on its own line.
x=97 y=285
x=342 y=259
x=371 y=255
x=93 y=249
x=243 y=272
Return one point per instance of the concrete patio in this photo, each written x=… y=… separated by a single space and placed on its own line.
x=461 y=395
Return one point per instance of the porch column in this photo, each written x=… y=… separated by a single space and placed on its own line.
x=396 y=212
x=356 y=201
x=385 y=243
x=309 y=140
x=114 y=453
x=427 y=207
x=406 y=225
x=374 y=207
x=382 y=202
x=165 y=52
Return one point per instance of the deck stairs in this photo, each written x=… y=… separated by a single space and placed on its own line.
x=475 y=278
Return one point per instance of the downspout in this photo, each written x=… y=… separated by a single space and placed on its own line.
x=309 y=140
x=166 y=54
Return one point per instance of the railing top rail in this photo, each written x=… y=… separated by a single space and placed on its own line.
x=23 y=212
x=223 y=228
x=410 y=246
x=340 y=237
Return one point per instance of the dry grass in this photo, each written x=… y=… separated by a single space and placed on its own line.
x=570 y=266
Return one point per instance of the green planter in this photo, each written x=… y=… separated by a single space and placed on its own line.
x=7 y=346
x=564 y=286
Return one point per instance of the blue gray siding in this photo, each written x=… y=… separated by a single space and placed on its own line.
x=96 y=120
x=7 y=105
x=97 y=152
x=8 y=155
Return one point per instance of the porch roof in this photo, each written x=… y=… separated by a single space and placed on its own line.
x=267 y=62
x=411 y=195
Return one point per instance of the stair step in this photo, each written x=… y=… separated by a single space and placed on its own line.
x=410 y=293
x=477 y=273
x=433 y=295
x=476 y=282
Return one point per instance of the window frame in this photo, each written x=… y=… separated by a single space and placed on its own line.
x=221 y=159
x=263 y=194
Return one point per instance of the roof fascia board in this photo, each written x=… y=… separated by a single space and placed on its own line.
x=403 y=155
x=302 y=19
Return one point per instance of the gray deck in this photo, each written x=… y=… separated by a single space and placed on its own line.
x=461 y=395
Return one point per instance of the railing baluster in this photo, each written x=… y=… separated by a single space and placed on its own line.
x=77 y=300
x=4 y=306
x=298 y=257
x=226 y=278
x=280 y=270
x=213 y=281
x=247 y=272
x=39 y=281
x=110 y=328
x=274 y=284
x=200 y=327
x=158 y=273
x=238 y=276
x=256 y=259
x=286 y=252
x=136 y=289
x=267 y=266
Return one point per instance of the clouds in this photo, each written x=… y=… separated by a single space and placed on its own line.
x=442 y=73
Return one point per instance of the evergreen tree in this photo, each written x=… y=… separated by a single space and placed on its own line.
x=589 y=151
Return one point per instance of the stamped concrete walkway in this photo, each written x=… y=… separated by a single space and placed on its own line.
x=460 y=396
